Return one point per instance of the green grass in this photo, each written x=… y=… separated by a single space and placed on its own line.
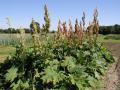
x=101 y=38
x=5 y=51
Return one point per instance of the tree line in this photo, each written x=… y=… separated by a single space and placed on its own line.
x=113 y=29
x=13 y=30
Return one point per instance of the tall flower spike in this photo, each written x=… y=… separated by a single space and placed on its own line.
x=64 y=29
x=81 y=28
x=34 y=27
x=83 y=19
x=59 y=27
x=96 y=25
x=95 y=15
x=35 y=35
x=70 y=25
x=80 y=33
x=97 y=30
x=46 y=19
x=76 y=26
x=22 y=42
x=70 y=29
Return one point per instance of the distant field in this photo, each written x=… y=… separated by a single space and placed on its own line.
x=8 y=39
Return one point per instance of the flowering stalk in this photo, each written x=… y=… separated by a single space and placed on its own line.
x=35 y=35
x=76 y=27
x=90 y=32
x=21 y=52
x=83 y=20
x=64 y=29
x=59 y=32
x=96 y=24
x=70 y=33
x=81 y=33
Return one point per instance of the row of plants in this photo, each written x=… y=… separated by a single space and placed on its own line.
x=71 y=60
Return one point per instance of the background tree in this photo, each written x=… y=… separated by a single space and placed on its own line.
x=46 y=26
x=116 y=29
x=113 y=29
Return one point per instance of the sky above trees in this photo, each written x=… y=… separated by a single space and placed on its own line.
x=22 y=11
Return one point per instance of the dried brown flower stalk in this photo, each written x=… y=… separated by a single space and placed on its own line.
x=90 y=32
x=83 y=20
x=70 y=33
x=64 y=29
x=96 y=24
x=59 y=28
x=93 y=28
x=76 y=27
x=81 y=32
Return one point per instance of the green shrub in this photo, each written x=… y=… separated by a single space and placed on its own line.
x=58 y=65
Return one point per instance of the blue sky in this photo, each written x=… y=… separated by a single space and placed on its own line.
x=21 y=11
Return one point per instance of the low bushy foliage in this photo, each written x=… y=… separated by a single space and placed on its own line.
x=60 y=64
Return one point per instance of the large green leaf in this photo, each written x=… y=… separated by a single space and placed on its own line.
x=11 y=74
x=51 y=75
x=91 y=81
x=20 y=85
x=69 y=62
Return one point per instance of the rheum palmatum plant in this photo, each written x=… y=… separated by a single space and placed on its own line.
x=65 y=63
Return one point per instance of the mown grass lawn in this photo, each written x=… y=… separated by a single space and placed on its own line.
x=5 y=51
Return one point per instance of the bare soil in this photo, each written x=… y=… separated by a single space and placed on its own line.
x=112 y=77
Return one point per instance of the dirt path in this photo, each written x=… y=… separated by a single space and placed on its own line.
x=112 y=77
